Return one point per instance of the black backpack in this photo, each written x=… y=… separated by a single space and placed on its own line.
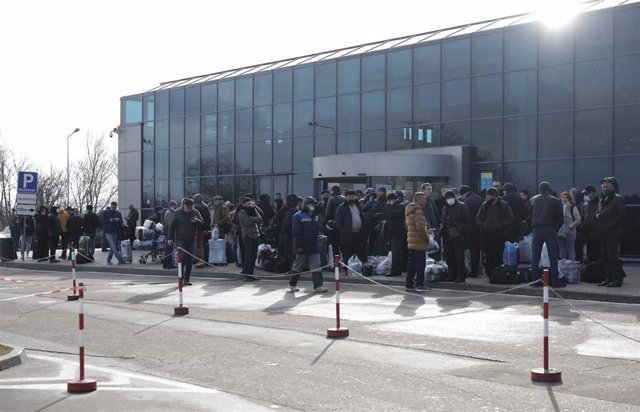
x=592 y=272
x=504 y=275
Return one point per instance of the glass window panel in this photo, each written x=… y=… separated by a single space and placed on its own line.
x=162 y=134
x=627 y=130
x=176 y=163
x=226 y=92
x=349 y=76
x=192 y=187
x=556 y=88
x=399 y=107
x=349 y=112
x=132 y=108
x=559 y=174
x=302 y=116
x=149 y=108
x=593 y=133
x=283 y=86
x=244 y=125
x=176 y=132
x=303 y=183
x=209 y=129
x=627 y=81
x=225 y=188
x=486 y=136
x=262 y=156
x=325 y=144
x=520 y=138
x=161 y=193
x=262 y=88
x=349 y=143
x=520 y=48
x=244 y=185
x=456 y=55
x=162 y=105
x=326 y=79
x=556 y=45
x=208 y=187
x=487 y=53
x=426 y=63
x=262 y=123
x=176 y=188
x=426 y=103
x=521 y=174
x=594 y=36
x=594 y=81
x=303 y=154
x=192 y=100
x=282 y=155
x=147 y=165
x=555 y=135
x=455 y=134
x=426 y=136
x=208 y=160
x=192 y=161
x=591 y=171
x=627 y=31
x=626 y=170
x=478 y=169
x=373 y=141
x=244 y=92
x=400 y=138
x=325 y=115
x=226 y=130
x=244 y=158
x=147 y=193
x=373 y=72
x=225 y=159
x=486 y=95
x=282 y=120
x=209 y=97
x=373 y=110
x=176 y=102
x=456 y=100
x=302 y=83
x=148 y=136
x=192 y=131
x=518 y=98
x=399 y=68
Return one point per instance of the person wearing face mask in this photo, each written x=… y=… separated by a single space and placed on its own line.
x=588 y=226
x=306 y=228
x=494 y=219
x=348 y=222
x=453 y=229
x=568 y=230
x=473 y=203
x=609 y=226
x=250 y=221
x=545 y=214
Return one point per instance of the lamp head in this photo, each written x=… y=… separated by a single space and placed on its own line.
x=76 y=130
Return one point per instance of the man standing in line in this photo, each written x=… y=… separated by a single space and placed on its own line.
x=588 y=226
x=455 y=222
x=182 y=233
x=63 y=217
x=349 y=217
x=333 y=235
x=394 y=214
x=519 y=210
x=90 y=223
x=609 y=224
x=132 y=222
x=306 y=228
x=201 y=239
x=111 y=220
x=473 y=202
x=417 y=241
x=494 y=219
x=53 y=225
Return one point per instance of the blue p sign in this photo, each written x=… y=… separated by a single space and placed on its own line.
x=27 y=182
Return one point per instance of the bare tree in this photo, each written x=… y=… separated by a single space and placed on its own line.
x=10 y=165
x=94 y=179
x=51 y=186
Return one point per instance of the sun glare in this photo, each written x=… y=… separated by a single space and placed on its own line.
x=557 y=13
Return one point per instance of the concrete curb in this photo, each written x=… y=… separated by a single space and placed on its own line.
x=149 y=269
x=14 y=358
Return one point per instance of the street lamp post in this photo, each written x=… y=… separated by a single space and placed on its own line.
x=72 y=133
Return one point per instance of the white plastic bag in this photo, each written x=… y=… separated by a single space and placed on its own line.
x=433 y=244
x=544 y=257
x=215 y=233
x=384 y=267
x=467 y=260
x=355 y=267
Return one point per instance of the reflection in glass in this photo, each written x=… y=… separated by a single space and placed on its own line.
x=399 y=107
x=486 y=136
x=518 y=98
x=325 y=115
x=132 y=109
x=556 y=88
x=349 y=76
x=349 y=113
x=262 y=126
x=161 y=193
x=176 y=163
x=400 y=138
x=244 y=125
x=520 y=48
x=244 y=158
x=282 y=120
x=349 y=143
x=226 y=91
x=192 y=161
x=148 y=136
x=594 y=81
x=302 y=115
x=559 y=173
x=487 y=96
x=282 y=153
x=456 y=101
x=176 y=188
x=593 y=133
x=226 y=130
x=225 y=159
x=208 y=187
x=192 y=187
x=176 y=102
x=591 y=171
x=244 y=185
x=521 y=174
x=244 y=92
x=556 y=45
x=373 y=72
x=149 y=108
x=302 y=83
x=147 y=165
x=627 y=35
x=487 y=53
x=555 y=135
x=262 y=86
x=209 y=129
x=520 y=138
x=399 y=68
x=147 y=193
x=208 y=160
x=627 y=81
x=373 y=141
x=209 y=97
x=162 y=105
x=627 y=130
x=426 y=103
x=456 y=56
x=373 y=115
x=626 y=170
x=192 y=100
x=426 y=64
x=262 y=156
x=325 y=79
x=325 y=144
x=302 y=154
x=176 y=132
x=225 y=188
x=594 y=36
x=454 y=134
x=192 y=131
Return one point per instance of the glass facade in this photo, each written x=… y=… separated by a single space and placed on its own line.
x=561 y=105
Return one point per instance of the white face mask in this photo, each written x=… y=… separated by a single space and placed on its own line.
x=450 y=202
x=311 y=208
x=587 y=198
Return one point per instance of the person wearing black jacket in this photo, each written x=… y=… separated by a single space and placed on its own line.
x=349 y=216
x=494 y=219
x=287 y=227
x=373 y=209
x=609 y=225
x=132 y=222
x=473 y=203
x=74 y=227
x=54 y=231
x=90 y=223
x=182 y=232
x=519 y=209
x=397 y=234
x=201 y=239
x=546 y=215
x=335 y=200
x=588 y=225
x=42 y=234
x=454 y=230
x=306 y=228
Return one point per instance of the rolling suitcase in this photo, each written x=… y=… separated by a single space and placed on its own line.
x=125 y=249
x=84 y=254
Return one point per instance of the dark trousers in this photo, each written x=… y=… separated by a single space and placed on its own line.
x=53 y=245
x=416 y=260
x=131 y=233
x=454 y=255
x=541 y=235
x=473 y=242
x=493 y=246
x=64 y=243
x=250 y=255
x=187 y=258
x=593 y=250
x=611 y=258
x=579 y=248
x=43 y=246
x=357 y=247
x=334 y=240
x=398 y=255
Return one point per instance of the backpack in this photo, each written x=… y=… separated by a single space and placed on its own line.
x=504 y=275
x=592 y=272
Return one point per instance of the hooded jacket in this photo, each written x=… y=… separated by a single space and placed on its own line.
x=249 y=221
x=265 y=205
x=182 y=228
x=201 y=207
x=495 y=218
x=417 y=234
x=53 y=223
x=545 y=210
x=519 y=210
x=305 y=230
x=610 y=214
x=292 y=209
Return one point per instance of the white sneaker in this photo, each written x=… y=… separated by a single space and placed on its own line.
x=320 y=290
x=294 y=288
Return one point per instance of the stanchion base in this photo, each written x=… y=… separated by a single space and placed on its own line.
x=541 y=375
x=83 y=386
x=181 y=310
x=73 y=297
x=337 y=333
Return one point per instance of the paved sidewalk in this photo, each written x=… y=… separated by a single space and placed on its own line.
x=628 y=293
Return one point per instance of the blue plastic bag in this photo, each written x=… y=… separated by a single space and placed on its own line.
x=510 y=254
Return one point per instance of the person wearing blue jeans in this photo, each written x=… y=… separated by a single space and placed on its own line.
x=112 y=239
x=568 y=231
x=111 y=220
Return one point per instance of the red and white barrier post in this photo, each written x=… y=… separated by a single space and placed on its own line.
x=72 y=255
x=337 y=332
x=81 y=385
x=181 y=309
x=545 y=374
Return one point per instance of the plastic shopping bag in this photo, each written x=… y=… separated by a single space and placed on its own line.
x=433 y=244
x=384 y=267
x=355 y=267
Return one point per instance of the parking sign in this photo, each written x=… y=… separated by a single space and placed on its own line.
x=27 y=182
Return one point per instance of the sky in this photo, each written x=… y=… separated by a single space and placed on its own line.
x=65 y=64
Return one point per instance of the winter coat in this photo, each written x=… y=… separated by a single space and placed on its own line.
x=431 y=213
x=495 y=218
x=610 y=216
x=287 y=223
x=519 y=210
x=64 y=218
x=571 y=220
x=305 y=233
x=394 y=214
x=455 y=220
x=343 y=221
x=53 y=224
x=588 y=226
x=204 y=213
x=545 y=210
x=265 y=205
x=417 y=234
x=107 y=225
x=90 y=223
x=473 y=202
x=42 y=226
x=132 y=217
x=182 y=227
x=249 y=221
x=29 y=228
x=74 y=226
x=332 y=207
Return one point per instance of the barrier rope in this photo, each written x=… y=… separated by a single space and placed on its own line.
x=590 y=318
x=41 y=259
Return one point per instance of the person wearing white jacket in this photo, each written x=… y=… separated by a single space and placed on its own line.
x=568 y=230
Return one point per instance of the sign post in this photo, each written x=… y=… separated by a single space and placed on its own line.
x=27 y=189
